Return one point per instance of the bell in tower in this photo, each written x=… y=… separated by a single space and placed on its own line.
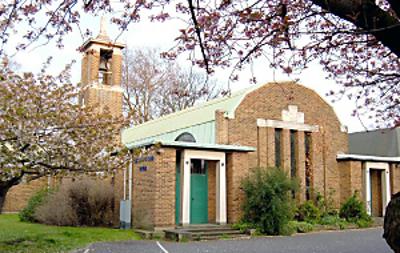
x=101 y=72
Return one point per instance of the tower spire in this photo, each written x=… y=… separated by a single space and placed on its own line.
x=103 y=29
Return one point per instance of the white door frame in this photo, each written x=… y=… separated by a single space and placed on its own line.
x=187 y=155
x=384 y=167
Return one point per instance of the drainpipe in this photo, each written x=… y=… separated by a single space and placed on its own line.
x=126 y=205
x=124 y=196
x=130 y=180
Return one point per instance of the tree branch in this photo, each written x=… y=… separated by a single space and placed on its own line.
x=198 y=33
x=369 y=17
x=395 y=4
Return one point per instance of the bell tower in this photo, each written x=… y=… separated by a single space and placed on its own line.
x=101 y=72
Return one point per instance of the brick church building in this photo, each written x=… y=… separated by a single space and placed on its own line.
x=200 y=155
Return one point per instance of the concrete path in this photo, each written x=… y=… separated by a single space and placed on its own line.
x=350 y=241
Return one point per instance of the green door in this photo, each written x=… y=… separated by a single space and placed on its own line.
x=198 y=192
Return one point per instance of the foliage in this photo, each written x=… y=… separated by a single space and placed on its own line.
x=28 y=213
x=325 y=205
x=44 y=131
x=155 y=87
x=334 y=221
x=17 y=236
x=268 y=205
x=353 y=41
x=301 y=226
x=353 y=210
x=242 y=226
x=80 y=203
x=308 y=212
x=324 y=214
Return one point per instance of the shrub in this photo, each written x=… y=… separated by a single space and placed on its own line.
x=301 y=226
x=353 y=210
x=325 y=205
x=56 y=210
x=27 y=214
x=288 y=228
x=268 y=204
x=308 y=212
x=81 y=203
x=334 y=221
x=242 y=226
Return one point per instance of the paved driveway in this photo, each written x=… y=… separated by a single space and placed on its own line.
x=351 y=241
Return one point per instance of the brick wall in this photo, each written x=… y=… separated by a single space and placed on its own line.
x=237 y=169
x=153 y=199
x=165 y=188
x=267 y=102
x=212 y=169
x=351 y=179
x=395 y=177
x=18 y=196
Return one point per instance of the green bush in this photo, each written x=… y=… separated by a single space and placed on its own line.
x=28 y=213
x=242 y=226
x=301 y=226
x=268 y=205
x=325 y=205
x=334 y=221
x=353 y=210
x=288 y=228
x=308 y=212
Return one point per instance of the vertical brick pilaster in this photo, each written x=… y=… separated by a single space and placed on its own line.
x=93 y=65
x=237 y=169
x=262 y=147
x=395 y=178
x=285 y=150
x=212 y=166
x=301 y=168
x=116 y=66
x=221 y=128
x=270 y=147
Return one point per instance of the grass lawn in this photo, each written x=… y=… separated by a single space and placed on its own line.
x=16 y=236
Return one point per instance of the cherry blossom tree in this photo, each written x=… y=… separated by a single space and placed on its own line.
x=45 y=132
x=356 y=42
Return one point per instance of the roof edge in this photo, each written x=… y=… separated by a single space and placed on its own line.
x=357 y=157
x=193 y=145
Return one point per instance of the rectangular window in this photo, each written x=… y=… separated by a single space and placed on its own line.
x=278 y=135
x=308 y=168
x=293 y=160
x=197 y=166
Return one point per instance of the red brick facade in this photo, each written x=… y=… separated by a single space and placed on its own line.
x=268 y=102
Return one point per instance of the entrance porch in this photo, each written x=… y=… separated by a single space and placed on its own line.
x=377 y=187
x=201 y=192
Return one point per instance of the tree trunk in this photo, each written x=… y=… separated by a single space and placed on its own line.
x=4 y=187
x=3 y=193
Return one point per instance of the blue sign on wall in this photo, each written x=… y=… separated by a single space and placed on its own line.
x=149 y=158
x=143 y=168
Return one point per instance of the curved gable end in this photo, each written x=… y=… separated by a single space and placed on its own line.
x=198 y=120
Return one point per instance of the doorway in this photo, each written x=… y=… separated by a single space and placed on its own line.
x=198 y=192
x=376 y=193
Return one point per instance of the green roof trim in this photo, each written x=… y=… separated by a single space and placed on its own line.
x=186 y=118
x=194 y=145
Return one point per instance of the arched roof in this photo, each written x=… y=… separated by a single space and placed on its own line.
x=187 y=118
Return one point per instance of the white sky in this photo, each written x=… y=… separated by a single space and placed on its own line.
x=162 y=35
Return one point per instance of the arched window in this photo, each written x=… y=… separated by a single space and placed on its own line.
x=187 y=137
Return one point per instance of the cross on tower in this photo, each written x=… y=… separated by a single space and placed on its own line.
x=293 y=115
